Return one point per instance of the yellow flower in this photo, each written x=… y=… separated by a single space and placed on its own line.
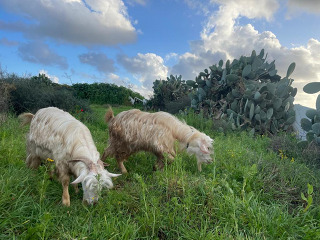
x=50 y=160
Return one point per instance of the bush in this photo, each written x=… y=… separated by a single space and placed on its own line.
x=31 y=94
x=103 y=93
x=170 y=95
x=286 y=145
x=5 y=90
x=173 y=107
x=248 y=93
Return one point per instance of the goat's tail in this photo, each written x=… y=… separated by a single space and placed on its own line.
x=25 y=118
x=109 y=115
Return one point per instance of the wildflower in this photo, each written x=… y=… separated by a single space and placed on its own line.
x=50 y=160
x=292 y=159
x=81 y=110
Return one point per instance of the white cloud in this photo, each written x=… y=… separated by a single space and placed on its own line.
x=170 y=56
x=312 y=6
x=201 y=7
x=223 y=38
x=90 y=22
x=126 y=83
x=9 y=43
x=116 y=79
x=139 y=2
x=40 y=53
x=53 y=78
x=98 y=60
x=146 y=68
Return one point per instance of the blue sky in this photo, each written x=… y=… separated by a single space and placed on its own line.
x=134 y=42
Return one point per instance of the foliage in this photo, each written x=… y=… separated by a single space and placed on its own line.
x=308 y=200
x=104 y=93
x=248 y=93
x=312 y=124
x=170 y=95
x=5 y=90
x=289 y=146
x=247 y=193
x=31 y=94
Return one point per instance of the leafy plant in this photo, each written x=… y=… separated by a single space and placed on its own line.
x=104 y=93
x=248 y=93
x=31 y=94
x=311 y=124
x=309 y=198
x=170 y=95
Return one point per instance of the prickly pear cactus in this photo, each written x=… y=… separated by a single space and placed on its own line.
x=174 y=89
x=248 y=93
x=312 y=124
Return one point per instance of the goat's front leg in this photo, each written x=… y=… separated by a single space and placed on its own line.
x=199 y=166
x=171 y=157
x=159 y=164
x=76 y=188
x=121 y=166
x=104 y=155
x=65 y=180
x=33 y=161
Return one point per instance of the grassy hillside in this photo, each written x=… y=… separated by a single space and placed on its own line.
x=249 y=192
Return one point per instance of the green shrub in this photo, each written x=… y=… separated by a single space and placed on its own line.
x=5 y=90
x=174 y=107
x=248 y=93
x=104 y=93
x=31 y=94
x=170 y=95
x=287 y=146
x=311 y=124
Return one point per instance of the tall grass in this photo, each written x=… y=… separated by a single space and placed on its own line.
x=249 y=192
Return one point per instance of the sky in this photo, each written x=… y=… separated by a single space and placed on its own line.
x=134 y=42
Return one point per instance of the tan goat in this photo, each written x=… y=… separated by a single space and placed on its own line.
x=133 y=131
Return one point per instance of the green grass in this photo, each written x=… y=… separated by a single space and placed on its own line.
x=249 y=192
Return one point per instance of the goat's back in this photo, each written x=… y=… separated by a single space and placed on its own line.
x=57 y=131
x=139 y=130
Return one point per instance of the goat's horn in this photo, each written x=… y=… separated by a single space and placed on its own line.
x=79 y=179
x=113 y=174
x=87 y=162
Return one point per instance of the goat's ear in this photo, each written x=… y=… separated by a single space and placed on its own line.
x=203 y=147
x=79 y=179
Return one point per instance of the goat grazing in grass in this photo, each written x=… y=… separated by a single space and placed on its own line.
x=133 y=131
x=55 y=134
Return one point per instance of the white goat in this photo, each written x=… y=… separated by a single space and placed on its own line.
x=133 y=131
x=57 y=135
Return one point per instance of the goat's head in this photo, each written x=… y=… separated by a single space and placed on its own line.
x=94 y=180
x=201 y=146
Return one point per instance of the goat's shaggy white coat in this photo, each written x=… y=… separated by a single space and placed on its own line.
x=133 y=131
x=57 y=135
